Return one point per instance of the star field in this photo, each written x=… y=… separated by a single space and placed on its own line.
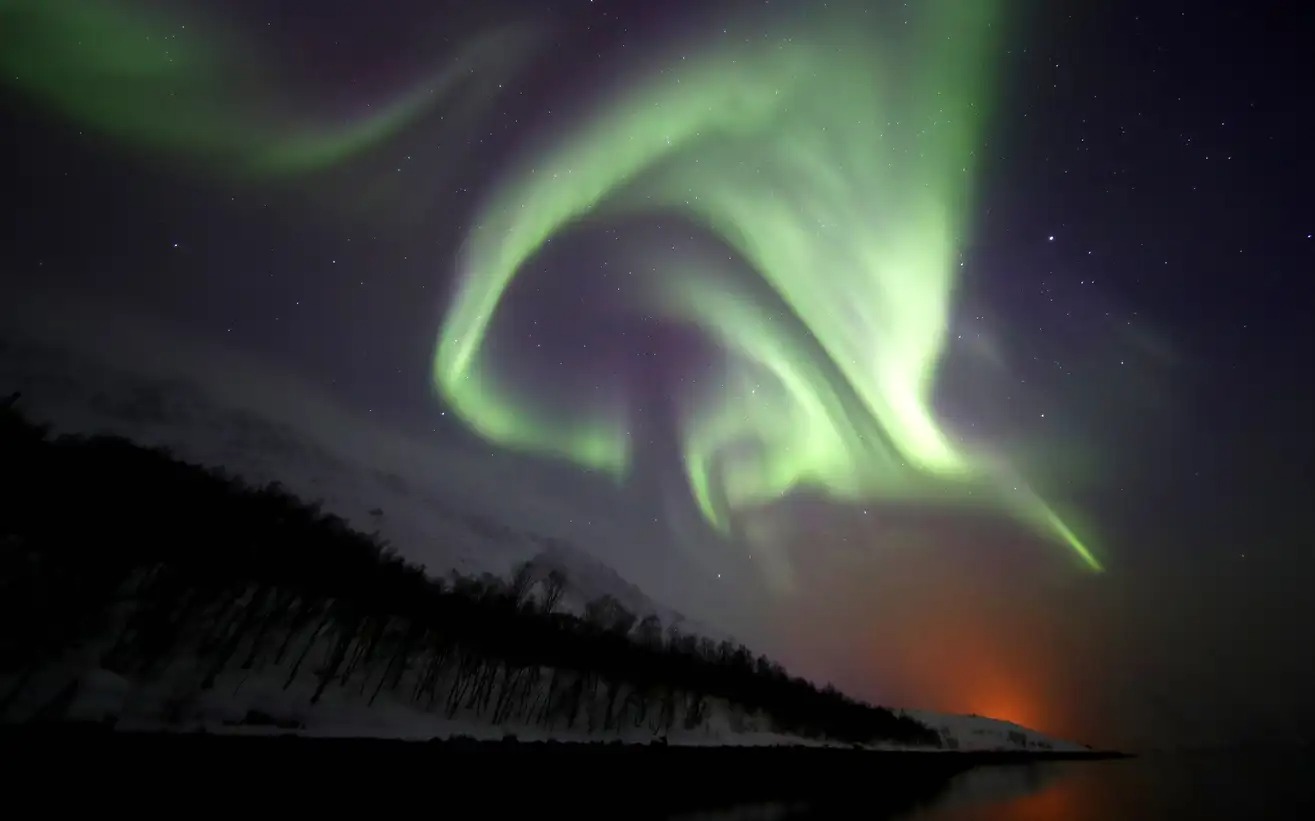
x=1109 y=338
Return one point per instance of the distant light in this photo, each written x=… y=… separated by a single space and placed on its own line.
x=1051 y=237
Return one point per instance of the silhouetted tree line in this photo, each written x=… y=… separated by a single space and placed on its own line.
x=151 y=559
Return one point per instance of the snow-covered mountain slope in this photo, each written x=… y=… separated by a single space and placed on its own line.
x=967 y=733
x=263 y=701
x=426 y=516
x=259 y=703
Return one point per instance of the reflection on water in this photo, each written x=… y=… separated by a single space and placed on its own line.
x=771 y=811
x=1197 y=786
x=983 y=785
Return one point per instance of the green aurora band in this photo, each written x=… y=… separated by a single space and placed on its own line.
x=844 y=181
x=837 y=165
x=143 y=78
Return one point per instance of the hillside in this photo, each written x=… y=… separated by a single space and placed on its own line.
x=146 y=590
x=424 y=524
x=427 y=518
x=971 y=733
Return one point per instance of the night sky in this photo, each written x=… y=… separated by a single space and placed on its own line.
x=959 y=353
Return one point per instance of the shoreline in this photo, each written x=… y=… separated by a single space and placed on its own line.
x=587 y=776
x=84 y=732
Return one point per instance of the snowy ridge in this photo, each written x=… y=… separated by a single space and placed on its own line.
x=263 y=703
x=264 y=707
x=970 y=733
x=428 y=523
x=431 y=523
x=278 y=699
x=588 y=575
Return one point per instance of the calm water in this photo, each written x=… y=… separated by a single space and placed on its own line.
x=1198 y=786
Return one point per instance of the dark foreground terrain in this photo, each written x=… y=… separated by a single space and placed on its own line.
x=466 y=776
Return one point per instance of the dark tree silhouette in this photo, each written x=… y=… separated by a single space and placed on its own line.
x=155 y=564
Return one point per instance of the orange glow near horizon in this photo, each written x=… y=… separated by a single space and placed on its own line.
x=969 y=661
x=920 y=630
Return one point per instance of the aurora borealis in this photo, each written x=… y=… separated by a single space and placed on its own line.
x=845 y=183
x=137 y=75
x=952 y=351
x=836 y=161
